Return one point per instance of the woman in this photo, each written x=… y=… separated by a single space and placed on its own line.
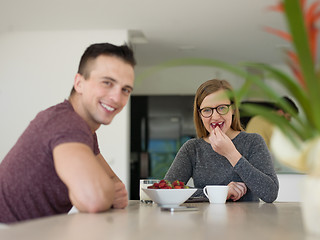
x=223 y=154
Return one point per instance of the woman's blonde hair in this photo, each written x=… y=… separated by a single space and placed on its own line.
x=206 y=89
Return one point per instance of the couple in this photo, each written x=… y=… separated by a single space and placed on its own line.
x=59 y=159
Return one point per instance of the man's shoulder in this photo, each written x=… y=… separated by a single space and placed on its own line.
x=61 y=124
x=60 y=115
x=258 y=118
x=258 y=122
x=63 y=107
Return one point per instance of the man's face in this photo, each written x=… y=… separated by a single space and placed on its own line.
x=105 y=92
x=285 y=115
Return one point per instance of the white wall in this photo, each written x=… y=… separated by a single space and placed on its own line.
x=186 y=80
x=37 y=71
x=179 y=80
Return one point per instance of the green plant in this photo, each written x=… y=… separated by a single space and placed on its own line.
x=305 y=85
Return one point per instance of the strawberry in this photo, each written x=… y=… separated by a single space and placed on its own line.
x=165 y=184
x=176 y=183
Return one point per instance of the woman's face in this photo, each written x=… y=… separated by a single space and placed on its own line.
x=216 y=120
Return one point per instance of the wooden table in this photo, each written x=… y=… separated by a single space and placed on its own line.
x=234 y=221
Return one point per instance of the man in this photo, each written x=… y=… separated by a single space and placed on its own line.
x=262 y=126
x=56 y=163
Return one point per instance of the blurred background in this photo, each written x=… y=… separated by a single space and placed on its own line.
x=41 y=43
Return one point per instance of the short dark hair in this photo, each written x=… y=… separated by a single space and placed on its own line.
x=290 y=103
x=123 y=52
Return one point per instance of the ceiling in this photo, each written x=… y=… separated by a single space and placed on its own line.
x=227 y=30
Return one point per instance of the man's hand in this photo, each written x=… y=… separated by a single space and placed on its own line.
x=121 y=195
x=236 y=190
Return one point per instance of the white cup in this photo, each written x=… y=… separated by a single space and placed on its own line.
x=216 y=193
x=144 y=183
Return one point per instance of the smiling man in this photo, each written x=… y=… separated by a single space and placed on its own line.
x=56 y=163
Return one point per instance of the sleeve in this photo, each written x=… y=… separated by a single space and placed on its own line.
x=181 y=167
x=69 y=128
x=96 y=148
x=257 y=170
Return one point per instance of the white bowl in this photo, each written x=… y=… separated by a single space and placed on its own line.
x=169 y=197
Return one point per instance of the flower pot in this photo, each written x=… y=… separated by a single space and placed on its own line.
x=305 y=157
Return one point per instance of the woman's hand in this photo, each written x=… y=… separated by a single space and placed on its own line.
x=223 y=145
x=236 y=190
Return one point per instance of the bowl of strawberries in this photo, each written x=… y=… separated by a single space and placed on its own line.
x=166 y=193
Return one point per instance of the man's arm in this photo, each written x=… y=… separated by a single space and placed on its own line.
x=107 y=168
x=121 y=194
x=90 y=188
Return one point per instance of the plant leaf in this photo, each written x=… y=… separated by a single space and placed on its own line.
x=284 y=35
x=299 y=35
x=286 y=127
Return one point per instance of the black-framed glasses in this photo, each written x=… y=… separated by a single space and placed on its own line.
x=221 y=109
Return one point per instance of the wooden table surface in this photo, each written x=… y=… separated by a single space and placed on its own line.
x=234 y=221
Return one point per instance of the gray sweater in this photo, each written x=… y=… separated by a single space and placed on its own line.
x=198 y=160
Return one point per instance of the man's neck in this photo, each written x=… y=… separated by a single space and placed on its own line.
x=77 y=107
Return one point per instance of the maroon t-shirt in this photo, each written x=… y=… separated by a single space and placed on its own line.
x=29 y=184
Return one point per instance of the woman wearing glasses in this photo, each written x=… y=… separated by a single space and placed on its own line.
x=222 y=153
